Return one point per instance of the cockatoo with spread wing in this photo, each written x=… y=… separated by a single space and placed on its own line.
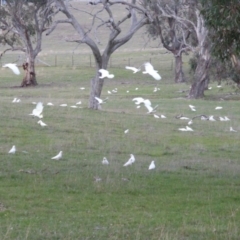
x=13 y=67
x=135 y=70
x=37 y=111
x=151 y=71
x=105 y=73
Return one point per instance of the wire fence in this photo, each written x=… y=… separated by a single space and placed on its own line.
x=166 y=61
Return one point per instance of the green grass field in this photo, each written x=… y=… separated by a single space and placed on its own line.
x=193 y=193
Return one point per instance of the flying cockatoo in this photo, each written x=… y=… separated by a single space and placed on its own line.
x=192 y=108
x=37 y=111
x=232 y=130
x=148 y=104
x=101 y=101
x=105 y=73
x=58 y=156
x=13 y=67
x=138 y=100
x=135 y=70
x=42 y=123
x=150 y=70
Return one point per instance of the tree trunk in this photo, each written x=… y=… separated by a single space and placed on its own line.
x=96 y=89
x=97 y=83
x=179 y=75
x=201 y=78
x=30 y=75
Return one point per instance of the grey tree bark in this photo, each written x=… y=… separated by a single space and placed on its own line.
x=201 y=76
x=179 y=74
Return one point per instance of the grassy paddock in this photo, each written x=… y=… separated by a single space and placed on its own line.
x=192 y=194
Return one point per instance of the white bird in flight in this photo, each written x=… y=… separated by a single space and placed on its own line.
x=42 y=123
x=13 y=149
x=37 y=111
x=135 y=70
x=101 y=101
x=130 y=161
x=58 y=156
x=138 y=100
x=105 y=161
x=192 y=108
x=50 y=104
x=13 y=67
x=105 y=73
x=149 y=107
x=147 y=103
x=63 y=105
x=218 y=108
x=232 y=130
x=150 y=70
x=151 y=166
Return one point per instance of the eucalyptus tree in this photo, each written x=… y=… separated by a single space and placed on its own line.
x=174 y=37
x=104 y=15
x=223 y=19
x=225 y=34
x=23 y=23
x=187 y=32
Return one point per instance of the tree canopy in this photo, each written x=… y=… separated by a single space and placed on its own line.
x=223 y=19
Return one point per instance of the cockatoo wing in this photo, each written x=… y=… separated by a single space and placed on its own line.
x=138 y=100
x=155 y=75
x=13 y=67
x=99 y=99
x=133 y=69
